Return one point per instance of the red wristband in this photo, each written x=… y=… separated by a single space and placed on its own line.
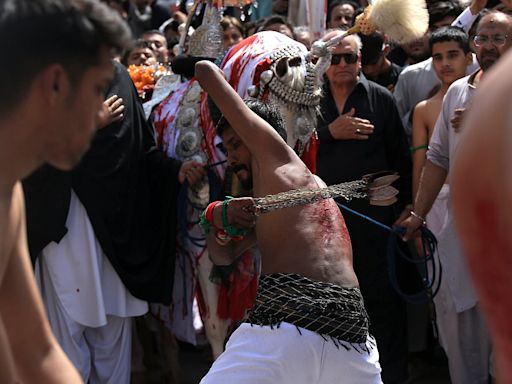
x=208 y=214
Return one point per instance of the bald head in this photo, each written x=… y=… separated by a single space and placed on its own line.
x=493 y=38
x=495 y=18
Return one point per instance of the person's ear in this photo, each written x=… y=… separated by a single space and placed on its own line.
x=469 y=59
x=54 y=83
x=386 y=50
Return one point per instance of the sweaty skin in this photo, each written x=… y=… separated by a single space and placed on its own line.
x=309 y=240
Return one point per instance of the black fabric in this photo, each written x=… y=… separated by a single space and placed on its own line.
x=390 y=77
x=186 y=65
x=129 y=191
x=397 y=55
x=325 y=308
x=47 y=196
x=386 y=309
x=386 y=149
x=160 y=14
x=389 y=326
x=140 y=24
x=345 y=160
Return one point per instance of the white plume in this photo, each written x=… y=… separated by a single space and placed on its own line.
x=401 y=20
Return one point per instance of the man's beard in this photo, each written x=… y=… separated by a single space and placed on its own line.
x=486 y=64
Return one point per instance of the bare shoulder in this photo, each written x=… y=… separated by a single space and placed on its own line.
x=17 y=211
x=320 y=182
x=420 y=108
x=420 y=116
x=276 y=176
x=426 y=112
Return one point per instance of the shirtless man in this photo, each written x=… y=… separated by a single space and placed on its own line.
x=309 y=324
x=49 y=104
x=450 y=57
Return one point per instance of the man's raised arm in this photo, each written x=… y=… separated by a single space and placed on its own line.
x=255 y=132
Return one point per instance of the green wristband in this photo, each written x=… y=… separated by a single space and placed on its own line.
x=414 y=149
x=230 y=230
x=205 y=224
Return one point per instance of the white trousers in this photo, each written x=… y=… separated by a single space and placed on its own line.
x=462 y=334
x=465 y=339
x=261 y=355
x=102 y=355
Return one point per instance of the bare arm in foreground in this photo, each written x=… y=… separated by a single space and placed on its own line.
x=481 y=190
x=36 y=354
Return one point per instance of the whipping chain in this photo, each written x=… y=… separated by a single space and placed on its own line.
x=348 y=191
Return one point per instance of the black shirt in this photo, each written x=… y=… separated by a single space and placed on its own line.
x=390 y=77
x=386 y=149
x=344 y=160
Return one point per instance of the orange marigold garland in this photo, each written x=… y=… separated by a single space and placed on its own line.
x=145 y=77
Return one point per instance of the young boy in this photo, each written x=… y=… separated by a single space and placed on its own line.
x=450 y=57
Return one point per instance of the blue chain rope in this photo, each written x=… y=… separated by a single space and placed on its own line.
x=431 y=279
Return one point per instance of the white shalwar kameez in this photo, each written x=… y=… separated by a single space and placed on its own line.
x=463 y=332
x=88 y=306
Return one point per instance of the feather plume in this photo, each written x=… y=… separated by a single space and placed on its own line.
x=401 y=20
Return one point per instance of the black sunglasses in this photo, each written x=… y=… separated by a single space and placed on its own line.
x=350 y=58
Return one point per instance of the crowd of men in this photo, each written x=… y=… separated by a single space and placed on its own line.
x=105 y=196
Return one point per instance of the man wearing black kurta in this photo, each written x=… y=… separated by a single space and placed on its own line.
x=360 y=132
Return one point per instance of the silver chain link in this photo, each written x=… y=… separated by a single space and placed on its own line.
x=348 y=191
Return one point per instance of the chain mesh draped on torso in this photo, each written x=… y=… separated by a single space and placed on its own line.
x=325 y=308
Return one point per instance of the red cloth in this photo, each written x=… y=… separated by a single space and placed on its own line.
x=309 y=155
x=238 y=296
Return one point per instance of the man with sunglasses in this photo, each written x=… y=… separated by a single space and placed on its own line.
x=492 y=40
x=360 y=132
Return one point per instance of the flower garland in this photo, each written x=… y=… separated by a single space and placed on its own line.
x=145 y=77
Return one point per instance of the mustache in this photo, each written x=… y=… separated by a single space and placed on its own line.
x=239 y=167
x=493 y=51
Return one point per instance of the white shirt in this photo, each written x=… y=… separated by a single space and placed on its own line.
x=442 y=147
x=86 y=284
